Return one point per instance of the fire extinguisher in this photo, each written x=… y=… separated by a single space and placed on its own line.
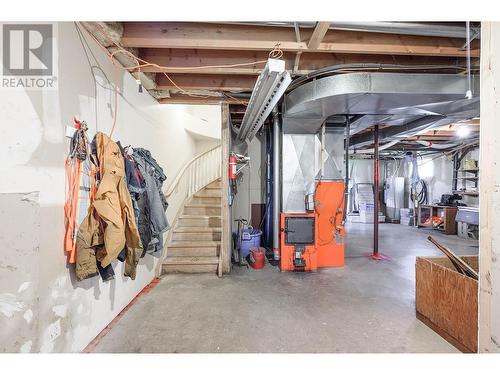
x=233 y=162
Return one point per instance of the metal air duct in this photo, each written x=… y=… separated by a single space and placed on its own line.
x=401 y=103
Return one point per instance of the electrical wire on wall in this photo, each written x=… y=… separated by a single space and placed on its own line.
x=92 y=66
x=275 y=53
x=95 y=66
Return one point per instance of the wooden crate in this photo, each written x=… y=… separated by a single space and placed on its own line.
x=446 y=300
x=447 y=213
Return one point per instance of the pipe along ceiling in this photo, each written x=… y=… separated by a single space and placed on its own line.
x=447 y=30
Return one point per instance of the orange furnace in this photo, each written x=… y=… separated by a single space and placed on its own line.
x=315 y=239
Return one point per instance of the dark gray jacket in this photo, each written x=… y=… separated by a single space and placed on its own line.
x=152 y=218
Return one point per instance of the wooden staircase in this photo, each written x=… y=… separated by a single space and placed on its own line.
x=194 y=244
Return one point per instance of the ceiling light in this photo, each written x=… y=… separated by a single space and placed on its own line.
x=463 y=131
x=268 y=90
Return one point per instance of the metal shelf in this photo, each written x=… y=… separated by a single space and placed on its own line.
x=468 y=170
x=473 y=193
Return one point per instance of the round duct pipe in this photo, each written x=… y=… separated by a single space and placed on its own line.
x=443 y=30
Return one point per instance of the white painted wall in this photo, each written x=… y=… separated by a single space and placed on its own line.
x=489 y=265
x=33 y=151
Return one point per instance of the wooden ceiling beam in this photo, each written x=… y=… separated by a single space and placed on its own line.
x=186 y=99
x=206 y=82
x=190 y=60
x=318 y=35
x=184 y=35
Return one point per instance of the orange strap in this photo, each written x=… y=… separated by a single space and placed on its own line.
x=73 y=171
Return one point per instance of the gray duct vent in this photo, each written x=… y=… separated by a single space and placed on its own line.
x=391 y=99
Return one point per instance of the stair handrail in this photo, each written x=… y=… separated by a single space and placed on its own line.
x=203 y=169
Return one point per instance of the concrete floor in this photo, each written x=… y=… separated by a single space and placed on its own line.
x=366 y=306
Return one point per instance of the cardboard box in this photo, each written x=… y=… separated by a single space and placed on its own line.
x=446 y=300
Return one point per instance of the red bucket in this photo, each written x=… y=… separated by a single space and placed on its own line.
x=257 y=257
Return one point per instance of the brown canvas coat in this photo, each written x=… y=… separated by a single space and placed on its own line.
x=109 y=225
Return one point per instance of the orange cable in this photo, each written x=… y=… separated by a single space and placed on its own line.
x=276 y=52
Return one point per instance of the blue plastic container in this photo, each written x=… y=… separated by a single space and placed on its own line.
x=249 y=238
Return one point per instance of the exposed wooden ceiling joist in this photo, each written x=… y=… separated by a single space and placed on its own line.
x=264 y=38
x=318 y=34
x=187 y=99
x=206 y=82
x=191 y=60
x=211 y=58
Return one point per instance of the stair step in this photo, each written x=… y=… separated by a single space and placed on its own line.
x=192 y=251
x=214 y=185
x=190 y=264
x=197 y=229
x=202 y=205
x=206 y=200
x=194 y=243
x=215 y=193
x=189 y=268
x=196 y=236
x=200 y=221
x=200 y=216
x=196 y=209
x=191 y=260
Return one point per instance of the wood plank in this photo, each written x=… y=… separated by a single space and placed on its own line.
x=318 y=35
x=192 y=59
x=186 y=99
x=441 y=332
x=448 y=300
x=489 y=202
x=193 y=251
x=206 y=82
x=394 y=44
x=188 y=61
x=449 y=254
x=189 y=268
x=296 y=62
x=191 y=260
x=201 y=35
x=264 y=38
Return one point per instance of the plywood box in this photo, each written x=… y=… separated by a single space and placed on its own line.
x=446 y=300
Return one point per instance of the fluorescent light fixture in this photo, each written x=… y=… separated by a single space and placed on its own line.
x=268 y=90
x=463 y=131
